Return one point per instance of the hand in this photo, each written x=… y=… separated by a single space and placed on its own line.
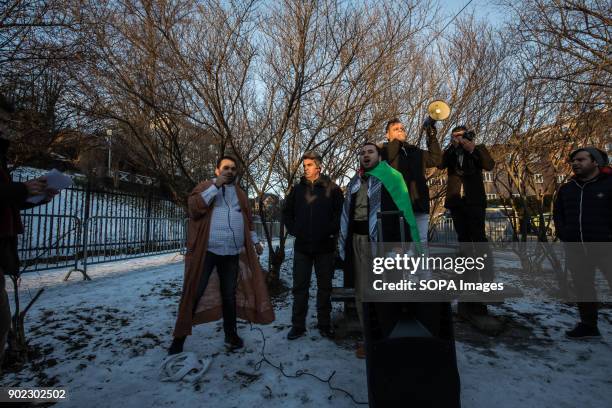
x=36 y=187
x=259 y=248
x=467 y=145
x=223 y=179
x=429 y=123
x=50 y=193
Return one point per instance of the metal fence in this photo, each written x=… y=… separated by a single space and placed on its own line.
x=497 y=229
x=115 y=238
x=85 y=225
x=273 y=228
x=49 y=241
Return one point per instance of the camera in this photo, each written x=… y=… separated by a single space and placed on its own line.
x=469 y=135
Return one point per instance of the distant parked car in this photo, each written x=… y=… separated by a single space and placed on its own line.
x=534 y=223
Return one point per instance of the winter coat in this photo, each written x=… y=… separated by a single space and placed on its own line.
x=583 y=210
x=412 y=161
x=311 y=213
x=12 y=198
x=252 y=300
x=468 y=175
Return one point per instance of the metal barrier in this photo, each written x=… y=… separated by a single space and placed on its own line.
x=49 y=241
x=55 y=241
x=273 y=227
x=54 y=235
x=108 y=239
x=497 y=229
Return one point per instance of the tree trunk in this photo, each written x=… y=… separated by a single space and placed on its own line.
x=18 y=350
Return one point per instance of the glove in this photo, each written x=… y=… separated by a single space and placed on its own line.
x=429 y=123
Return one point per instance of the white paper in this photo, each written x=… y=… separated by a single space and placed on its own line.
x=56 y=180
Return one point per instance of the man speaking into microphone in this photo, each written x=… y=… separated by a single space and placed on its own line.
x=221 y=237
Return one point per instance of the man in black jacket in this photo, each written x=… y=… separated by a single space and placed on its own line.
x=13 y=198
x=412 y=162
x=583 y=214
x=311 y=214
x=467 y=202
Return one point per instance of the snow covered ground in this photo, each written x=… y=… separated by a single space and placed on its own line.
x=103 y=340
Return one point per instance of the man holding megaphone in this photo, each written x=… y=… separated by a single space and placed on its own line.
x=412 y=161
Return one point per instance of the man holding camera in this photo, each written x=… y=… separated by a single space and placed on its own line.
x=467 y=202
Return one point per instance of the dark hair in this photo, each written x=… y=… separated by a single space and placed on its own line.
x=389 y=123
x=312 y=155
x=459 y=128
x=226 y=157
x=371 y=144
x=596 y=155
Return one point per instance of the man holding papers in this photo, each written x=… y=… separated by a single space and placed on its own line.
x=13 y=198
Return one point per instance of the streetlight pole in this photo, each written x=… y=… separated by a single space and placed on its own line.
x=109 y=134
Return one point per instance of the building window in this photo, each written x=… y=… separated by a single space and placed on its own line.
x=560 y=178
x=491 y=196
x=488 y=177
x=539 y=178
x=516 y=195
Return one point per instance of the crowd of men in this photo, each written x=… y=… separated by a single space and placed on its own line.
x=326 y=222
x=223 y=278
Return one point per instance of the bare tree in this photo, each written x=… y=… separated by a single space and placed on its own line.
x=573 y=36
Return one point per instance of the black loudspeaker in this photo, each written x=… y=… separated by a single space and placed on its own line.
x=410 y=355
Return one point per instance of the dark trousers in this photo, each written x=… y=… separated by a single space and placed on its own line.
x=302 y=272
x=227 y=269
x=9 y=265
x=469 y=222
x=5 y=316
x=582 y=264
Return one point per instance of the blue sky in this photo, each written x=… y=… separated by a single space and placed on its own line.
x=484 y=9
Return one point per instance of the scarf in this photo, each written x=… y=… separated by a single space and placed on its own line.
x=393 y=181
x=374 y=189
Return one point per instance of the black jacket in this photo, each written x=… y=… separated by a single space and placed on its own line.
x=583 y=211
x=311 y=213
x=467 y=174
x=412 y=162
x=12 y=198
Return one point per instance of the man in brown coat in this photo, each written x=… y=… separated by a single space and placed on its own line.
x=222 y=273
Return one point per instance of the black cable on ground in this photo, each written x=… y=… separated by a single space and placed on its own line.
x=299 y=373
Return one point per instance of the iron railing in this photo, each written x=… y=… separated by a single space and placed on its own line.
x=108 y=239
x=54 y=233
x=497 y=229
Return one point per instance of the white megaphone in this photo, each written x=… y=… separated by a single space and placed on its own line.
x=438 y=110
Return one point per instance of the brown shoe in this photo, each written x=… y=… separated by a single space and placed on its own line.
x=360 y=351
